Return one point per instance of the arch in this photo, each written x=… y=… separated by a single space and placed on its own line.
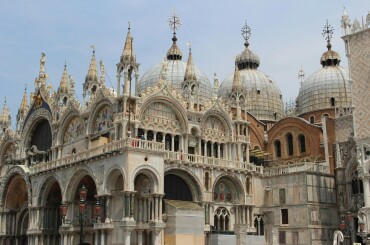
x=232 y=185
x=48 y=185
x=72 y=183
x=302 y=143
x=65 y=120
x=22 y=227
x=289 y=144
x=15 y=197
x=312 y=119
x=112 y=177
x=98 y=107
x=189 y=179
x=33 y=120
x=277 y=148
x=8 y=152
x=222 y=116
x=171 y=103
x=151 y=173
x=16 y=170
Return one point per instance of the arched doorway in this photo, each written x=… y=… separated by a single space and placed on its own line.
x=16 y=214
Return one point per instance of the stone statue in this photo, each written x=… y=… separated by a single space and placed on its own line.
x=102 y=69
x=338 y=237
x=42 y=62
x=164 y=69
x=215 y=79
x=72 y=82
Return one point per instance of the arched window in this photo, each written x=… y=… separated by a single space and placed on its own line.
x=221 y=219
x=332 y=101
x=302 y=143
x=41 y=136
x=289 y=141
x=259 y=225
x=312 y=119
x=277 y=145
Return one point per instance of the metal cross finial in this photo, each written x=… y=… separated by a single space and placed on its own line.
x=189 y=45
x=93 y=48
x=246 y=32
x=327 y=33
x=174 y=22
x=301 y=75
x=129 y=26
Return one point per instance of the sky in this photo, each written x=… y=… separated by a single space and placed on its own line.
x=286 y=35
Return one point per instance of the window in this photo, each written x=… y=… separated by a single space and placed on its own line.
x=357 y=186
x=332 y=101
x=221 y=219
x=259 y=225
x=282 y=237
x=282 y=198
x=284 y=217
x=312 y=119
x=277 y=148
x=289 y=139
x=302 y=143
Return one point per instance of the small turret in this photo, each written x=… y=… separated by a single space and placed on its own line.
x=64 y=86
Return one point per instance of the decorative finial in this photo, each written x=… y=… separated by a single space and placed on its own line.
x=129 y=26
x=93 y=48
x=174 y=22
x=301 y=75
x=189 y=45
x=65 y=64
x=327 y=33
x=246 y=33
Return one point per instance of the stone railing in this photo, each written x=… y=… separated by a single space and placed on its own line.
x=120 y=116
x=216 y=162
x=298 y=167
x=103 y=149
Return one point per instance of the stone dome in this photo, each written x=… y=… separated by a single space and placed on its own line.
x=327 y=88
x=264 y=99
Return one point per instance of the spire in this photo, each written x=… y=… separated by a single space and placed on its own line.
x=5 y=117
x=236 y=80
x=128 y=50
x=63 y=87
x=301 y=75
x=24 y=104
x=190 y=69
x=92 y=73
x=174 y=53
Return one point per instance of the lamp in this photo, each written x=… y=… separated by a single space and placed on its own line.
x=83 y=193
x=97 y=210
x=63 y=208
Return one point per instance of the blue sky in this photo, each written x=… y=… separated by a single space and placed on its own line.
x=285 y=34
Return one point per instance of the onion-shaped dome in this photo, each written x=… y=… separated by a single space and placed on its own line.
x=328 y=87
x=264 y=99
x=175 y=74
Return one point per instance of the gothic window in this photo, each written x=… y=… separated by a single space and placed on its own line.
x=221 y=219
x=302 y=143
x=104 y=120
x=75 y=130
x=41 y=136
x=150 y=135
x=289 y=141
x=312 y=119
x=259 y=225
x=277 y=145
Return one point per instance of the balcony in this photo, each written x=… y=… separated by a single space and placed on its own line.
x=320 y=167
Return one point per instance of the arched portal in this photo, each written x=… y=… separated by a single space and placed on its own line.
x=175 y=188
x=16 y=216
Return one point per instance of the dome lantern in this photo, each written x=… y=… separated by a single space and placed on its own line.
x=247 y=59
x=330 y=57
x=174 y=53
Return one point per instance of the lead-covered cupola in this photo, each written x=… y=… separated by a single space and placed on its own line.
x=176 y=70
x=327 y=88
x=264 y=99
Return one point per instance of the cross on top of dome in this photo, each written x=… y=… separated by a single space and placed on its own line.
x=327 y=33
x=174 y=22
x=246 y=33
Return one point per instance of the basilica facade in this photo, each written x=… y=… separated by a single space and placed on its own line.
x=171 y=158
